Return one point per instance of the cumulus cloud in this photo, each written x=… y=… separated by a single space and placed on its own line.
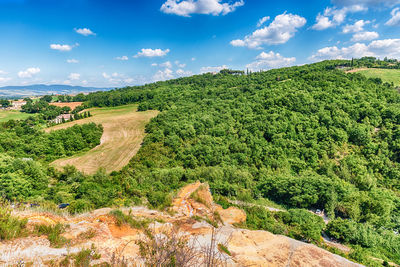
x=188 y=7
x=395 y=19
x=123 y=58
x=74 y=76
x=163 y=75
x=63 y=47
x=213 y=69
x=182 y=72
x=28 y=73
x=72 y=60
x=358 y=26
x=117 y=78
x=84 y=31
x=262 y=21
x=278 y=31
x=148 y=52
x=378 y=48
x=180 y=65
x=2 y=72
x=270 y=60
x=364 y=36
x=332 y=17
x=166 y=65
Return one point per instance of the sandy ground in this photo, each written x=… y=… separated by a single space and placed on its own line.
x=122 y=137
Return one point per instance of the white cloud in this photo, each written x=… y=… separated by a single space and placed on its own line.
x=105 y=75
x=167 y=65
x=4 y=79
x=395 y=19
x=123 y=58
x=28 y=73
x=180 y=65
x=213 y=69
x=322 y=23
x=2 y=72
x=364 y=36
x=358 y=26
x=279 y=31
x=85 y=31
x=182 y=72
x=193 y=59
x=63 y=48
x=117 y=78
x=148 y=52
x=72 y=60
x=74 y=76
x=378 y=48
x=187 y=7
x=262 y=21
x=163 y=75
x=270 y=60
x=334 y=16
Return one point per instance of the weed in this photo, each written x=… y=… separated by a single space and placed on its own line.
x=53 y=233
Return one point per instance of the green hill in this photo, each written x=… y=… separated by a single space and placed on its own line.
x=309 y=137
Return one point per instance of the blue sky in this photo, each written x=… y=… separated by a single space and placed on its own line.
x=127 y=42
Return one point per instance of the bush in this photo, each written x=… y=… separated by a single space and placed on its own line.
x=10 y=226
x=80 y=206
x=53 y=233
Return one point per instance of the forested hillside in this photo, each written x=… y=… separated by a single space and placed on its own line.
x=305 y=137
x=308 y=137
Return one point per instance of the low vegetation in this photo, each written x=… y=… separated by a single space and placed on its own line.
x=10 y=226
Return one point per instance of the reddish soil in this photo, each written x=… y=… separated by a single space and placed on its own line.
x=72 y=105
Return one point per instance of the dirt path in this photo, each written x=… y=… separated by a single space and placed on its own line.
x=121 y=139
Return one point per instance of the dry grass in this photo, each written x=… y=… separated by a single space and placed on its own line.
x=72 y=105
x=123 y=134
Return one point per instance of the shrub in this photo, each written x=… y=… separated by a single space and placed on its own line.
x=53 y=233
x=10 y=226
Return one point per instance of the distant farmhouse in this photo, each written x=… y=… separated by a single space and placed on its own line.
x=17 y=104
x=62 y=118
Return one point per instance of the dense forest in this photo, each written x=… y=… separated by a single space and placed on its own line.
x=308 y=137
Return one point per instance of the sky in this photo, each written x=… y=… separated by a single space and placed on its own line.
x=115 y=43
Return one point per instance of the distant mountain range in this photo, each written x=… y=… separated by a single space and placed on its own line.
x=43 y=89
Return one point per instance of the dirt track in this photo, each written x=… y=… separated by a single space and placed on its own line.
x=122 y=136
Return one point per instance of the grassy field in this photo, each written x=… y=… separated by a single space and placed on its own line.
x=387 y=75
x=123 y=134
x=6 y=115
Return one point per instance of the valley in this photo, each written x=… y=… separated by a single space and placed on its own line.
x=122 y=137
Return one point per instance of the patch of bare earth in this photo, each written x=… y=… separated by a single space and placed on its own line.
x=121 y=139
x=245 y=247
x=71 y=105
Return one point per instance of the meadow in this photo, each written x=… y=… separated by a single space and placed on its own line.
x=6 y=115
x=122 y=137
x=387 y=75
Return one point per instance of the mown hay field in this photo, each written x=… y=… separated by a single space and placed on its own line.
x=121 y=139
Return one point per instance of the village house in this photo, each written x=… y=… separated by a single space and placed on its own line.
x=17 y=104
x=62 y=117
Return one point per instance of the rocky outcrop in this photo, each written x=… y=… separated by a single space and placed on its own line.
x=193 y=202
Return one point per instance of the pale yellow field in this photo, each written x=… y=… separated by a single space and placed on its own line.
x=122 y=136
